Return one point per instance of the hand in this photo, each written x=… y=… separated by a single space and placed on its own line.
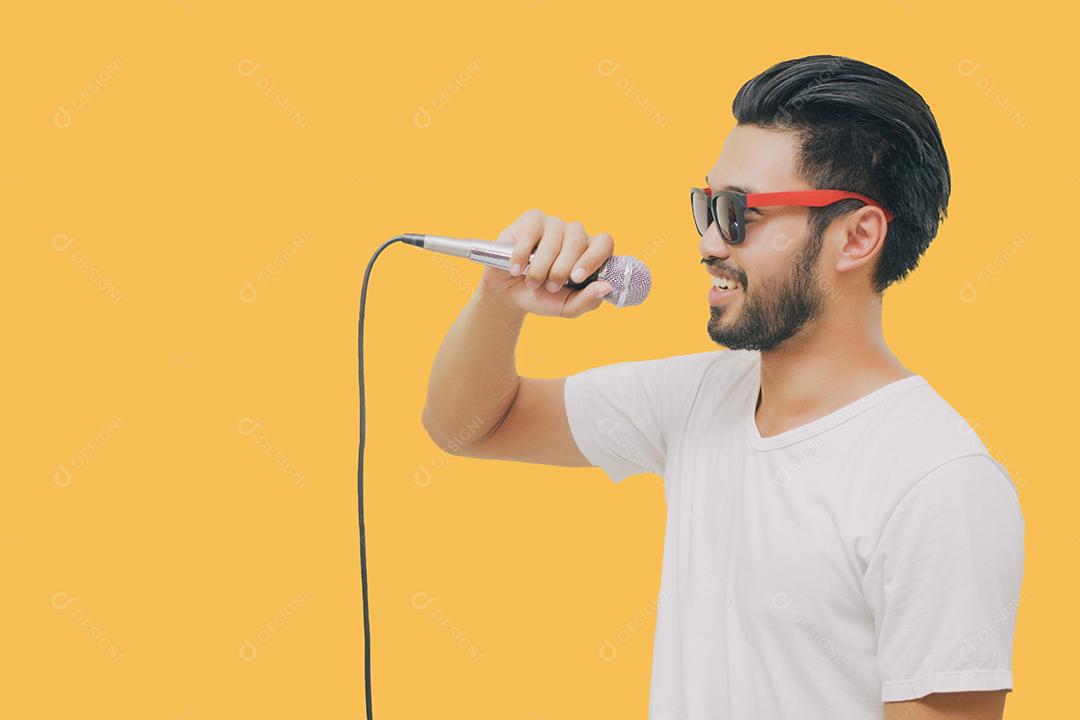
x=559 y=249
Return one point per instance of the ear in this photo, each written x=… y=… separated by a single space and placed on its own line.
x=862 y=238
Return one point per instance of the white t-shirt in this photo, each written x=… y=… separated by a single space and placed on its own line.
x=874 y=554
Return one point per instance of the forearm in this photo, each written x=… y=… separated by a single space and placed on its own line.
x=474 y=378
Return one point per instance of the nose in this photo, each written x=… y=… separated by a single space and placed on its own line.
x=712 y=245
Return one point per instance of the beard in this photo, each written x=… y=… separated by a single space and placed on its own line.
x=776 y=310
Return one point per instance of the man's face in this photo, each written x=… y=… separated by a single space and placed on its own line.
x=775 y=265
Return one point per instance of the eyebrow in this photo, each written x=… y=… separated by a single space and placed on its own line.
x=735 y=188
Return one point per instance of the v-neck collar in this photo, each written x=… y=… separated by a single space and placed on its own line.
x=821 y=424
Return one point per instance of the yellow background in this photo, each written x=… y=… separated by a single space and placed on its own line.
x=190 y=192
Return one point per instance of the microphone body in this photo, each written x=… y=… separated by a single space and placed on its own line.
x=629 y=277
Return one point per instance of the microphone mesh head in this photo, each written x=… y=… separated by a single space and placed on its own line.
x=630 y=280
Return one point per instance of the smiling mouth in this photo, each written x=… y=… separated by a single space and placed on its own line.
x=722 y=278
x=723 y=283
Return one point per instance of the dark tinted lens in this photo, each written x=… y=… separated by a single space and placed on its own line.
x=727 y=219
x=700 y=205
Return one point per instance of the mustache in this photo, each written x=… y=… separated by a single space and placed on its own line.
x=715 y=263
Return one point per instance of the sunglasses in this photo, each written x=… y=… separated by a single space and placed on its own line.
x=728 y=208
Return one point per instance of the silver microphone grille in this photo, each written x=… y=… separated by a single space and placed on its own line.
x=630 y=280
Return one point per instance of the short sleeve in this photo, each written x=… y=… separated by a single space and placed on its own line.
x=944 y=582
x=621 y=415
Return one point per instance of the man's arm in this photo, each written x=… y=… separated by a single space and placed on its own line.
x=474 y=384
x=974 y=705
x=947 y=566
x=477 y=405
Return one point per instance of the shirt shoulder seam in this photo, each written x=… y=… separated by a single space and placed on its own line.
x=917 y=483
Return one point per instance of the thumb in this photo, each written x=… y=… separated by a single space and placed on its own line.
x=586 y=299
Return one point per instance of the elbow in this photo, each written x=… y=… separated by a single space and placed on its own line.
x=431 y=428
x=443 y=440
x=464 y=439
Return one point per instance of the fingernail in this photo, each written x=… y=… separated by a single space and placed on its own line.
x=530 y=283
x=552 y=287
x=515 y=269
x=578 y=274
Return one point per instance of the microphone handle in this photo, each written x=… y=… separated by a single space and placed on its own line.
x=498 y=255
x=495 y=254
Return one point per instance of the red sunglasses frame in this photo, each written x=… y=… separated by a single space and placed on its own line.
x=801 y=198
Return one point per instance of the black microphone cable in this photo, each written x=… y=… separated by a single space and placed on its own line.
x=629 y=278
x=360 y=473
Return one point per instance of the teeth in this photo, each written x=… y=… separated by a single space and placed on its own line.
x=724 y=283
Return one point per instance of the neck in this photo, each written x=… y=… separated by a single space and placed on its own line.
x=831 y=362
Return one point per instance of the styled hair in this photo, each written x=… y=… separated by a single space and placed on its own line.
x=863 y=130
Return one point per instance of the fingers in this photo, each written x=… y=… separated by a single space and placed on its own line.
x=574 y=243
x=549 y=253
x=586 y=299
x=599 y=250
x=524 y=233
x=546 y=252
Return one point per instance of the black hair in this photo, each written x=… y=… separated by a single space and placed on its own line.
x=863 y=130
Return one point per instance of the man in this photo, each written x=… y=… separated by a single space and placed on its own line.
x=839 y=543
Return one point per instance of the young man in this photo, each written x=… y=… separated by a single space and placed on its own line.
x=839 y=542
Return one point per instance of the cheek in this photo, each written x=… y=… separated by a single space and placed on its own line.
x=771 y=248
x=767 y=249
x=777 y=236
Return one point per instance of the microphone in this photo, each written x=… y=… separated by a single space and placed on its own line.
x=629 y=278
